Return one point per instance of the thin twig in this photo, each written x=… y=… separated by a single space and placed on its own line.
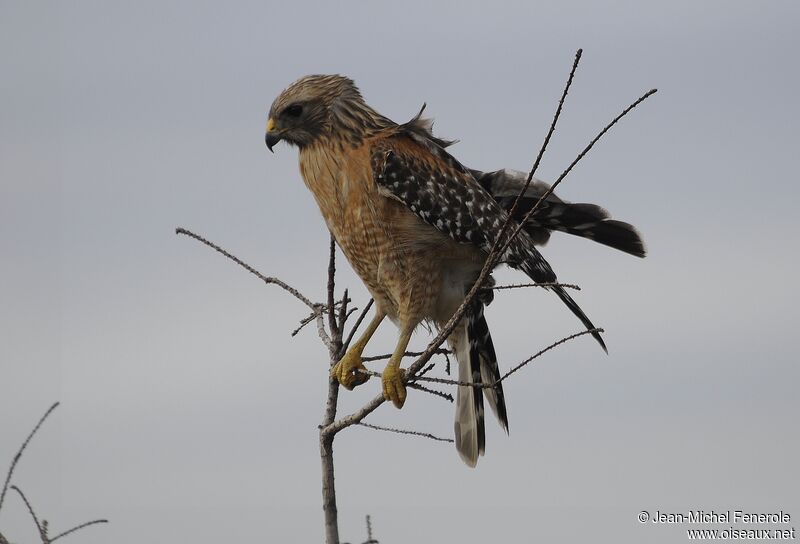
x=542 y=149
x=522 y=285
x=303 y=322
x=439 y=351
x=370 y=540
x=332 y=326
x=548 y=348
x=342 y=314
x=81 y=526
x=434 y=392
x=21 y=449
x=266 y=279
x=583 y=153
x=42 y=526
x=361 y=317
x=306 y=320
x=403 y=431
x=323 y=335
x=489 y=385
x=348 y=314
x=39 y=527
x=426 y=369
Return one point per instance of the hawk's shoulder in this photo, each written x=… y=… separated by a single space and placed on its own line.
x=411 y=167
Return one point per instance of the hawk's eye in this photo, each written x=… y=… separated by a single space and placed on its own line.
x=294 y=110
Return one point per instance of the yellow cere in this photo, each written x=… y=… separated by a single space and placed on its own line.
x=270 y=125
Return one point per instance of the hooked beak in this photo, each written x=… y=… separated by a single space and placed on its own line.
x=271 y=137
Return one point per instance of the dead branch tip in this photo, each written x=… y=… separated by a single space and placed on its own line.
x=22 y=448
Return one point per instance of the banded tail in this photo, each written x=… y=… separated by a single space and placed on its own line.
x=472 y=344
x=585 y=220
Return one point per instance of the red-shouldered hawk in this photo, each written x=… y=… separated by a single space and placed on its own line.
x=417 y=227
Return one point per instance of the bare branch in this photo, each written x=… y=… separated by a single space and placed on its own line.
x=522 y=285
x=434 y=392
x=510 y=372
x=21 y=449
x=548 y=348
x=343 y=314
x=348 y=314
x=329 y=507
x=326 y=460
x=323 y=335
x=79 y=527
x=403 y=431
x=42 y=526
x=332 y=325
x=546 y=141
x=341 y=423
x=361 y=317
x=427 y=369
x=583 y=153
x=369 y=540
x=308 y=319
x=440 y=351
x=39 y=526
x=303 y=322
x=266 y=279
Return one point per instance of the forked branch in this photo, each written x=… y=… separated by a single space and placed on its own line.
x=22 y=449
x=41 y=526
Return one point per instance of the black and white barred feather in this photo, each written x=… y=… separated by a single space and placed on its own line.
x=418 y=172
x=580 y=219
x=477 y=363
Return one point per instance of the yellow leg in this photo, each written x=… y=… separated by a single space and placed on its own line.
x=346 y=370
x=393 y=376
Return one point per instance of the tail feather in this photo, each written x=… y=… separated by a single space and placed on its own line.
x=528 y=259
x=477 y=363
x=468 y=428
x=573 y=306
x=481 y=342
x=585 y=220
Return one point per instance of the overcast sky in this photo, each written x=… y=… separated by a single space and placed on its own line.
x=190 y=415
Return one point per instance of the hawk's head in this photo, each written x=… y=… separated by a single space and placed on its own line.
x=321 y=106
x=303 y=111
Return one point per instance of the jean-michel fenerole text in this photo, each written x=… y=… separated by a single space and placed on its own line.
x=720 y=516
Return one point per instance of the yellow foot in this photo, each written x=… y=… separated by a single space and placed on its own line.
x=347 y=370
x=393 y=388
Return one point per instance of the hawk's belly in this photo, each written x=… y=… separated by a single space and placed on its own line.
x=401 y=259
x=402 y=274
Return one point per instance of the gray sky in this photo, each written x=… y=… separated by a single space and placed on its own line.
x=189 y=414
